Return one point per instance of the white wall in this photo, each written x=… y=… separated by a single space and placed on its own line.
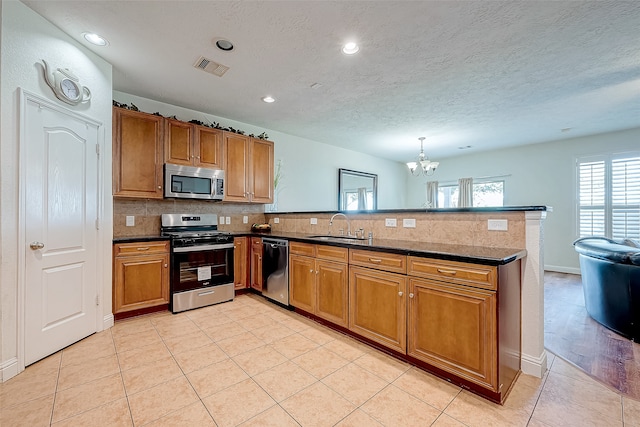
x=26 y=39
x=539 y=174
x=310 y=168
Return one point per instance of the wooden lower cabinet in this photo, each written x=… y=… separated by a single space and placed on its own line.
x=241 y=270
x=377 y=306
x=319 y=281
x=453 y=328
x=140 y=275
x=256 y=263
x=302 y=282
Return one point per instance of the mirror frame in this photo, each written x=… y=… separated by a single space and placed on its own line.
x=346 y=172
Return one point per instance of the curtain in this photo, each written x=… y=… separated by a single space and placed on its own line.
x=362 y=198
x=465 y=192
x=432 y=194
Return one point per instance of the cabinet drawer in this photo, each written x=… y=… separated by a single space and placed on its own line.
x=332 y=253
x=379 y=260
x=140 y=248
x=305 y=249
x=481 y=276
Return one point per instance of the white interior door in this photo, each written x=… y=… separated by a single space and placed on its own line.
x=60 y=176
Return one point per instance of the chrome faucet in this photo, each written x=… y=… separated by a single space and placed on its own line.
x=345 y=217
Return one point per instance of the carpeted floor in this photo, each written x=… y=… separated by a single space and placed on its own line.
x=570 y=333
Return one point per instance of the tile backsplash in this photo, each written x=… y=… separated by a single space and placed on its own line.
x=147 y=212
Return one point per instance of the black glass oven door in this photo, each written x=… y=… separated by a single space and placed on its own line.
x=201 y=269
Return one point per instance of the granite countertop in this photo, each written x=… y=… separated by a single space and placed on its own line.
x=474 y=254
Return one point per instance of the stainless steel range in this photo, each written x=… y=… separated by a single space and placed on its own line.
x=201 y=261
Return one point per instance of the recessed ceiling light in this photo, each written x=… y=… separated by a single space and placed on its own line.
x=350 y=48
x=269 y=99
x=96 y=39
x=225 y=45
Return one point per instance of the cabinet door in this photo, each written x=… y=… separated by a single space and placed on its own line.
x=240 y=262
x=140 y=282
x=332 y=292
x=137 y=154
x=302 y=279
x=178 y=146
x=377 y=306
x=236 y=171
x=453 y=328
x=256 y=263
x=208 y=148
x=261 y=171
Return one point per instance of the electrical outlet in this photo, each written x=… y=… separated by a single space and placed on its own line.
x=497 y=224
x=221 y=220
x=276 y=220
x=390 y=222
x=130 y=221
x=228 y=220
x=409 y=223
x=313 y=221
x=245 y=219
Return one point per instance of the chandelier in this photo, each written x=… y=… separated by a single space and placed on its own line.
x=422 y=165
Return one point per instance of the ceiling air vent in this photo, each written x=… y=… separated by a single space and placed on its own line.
x=211 y=67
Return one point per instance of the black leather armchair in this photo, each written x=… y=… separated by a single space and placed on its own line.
x=611 y=282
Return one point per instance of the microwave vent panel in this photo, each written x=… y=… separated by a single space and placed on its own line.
x=210 y=66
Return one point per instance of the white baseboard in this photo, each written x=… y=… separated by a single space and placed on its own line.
x=107 y=321
x=560 y=269
x=532 y=365
x=8 y=369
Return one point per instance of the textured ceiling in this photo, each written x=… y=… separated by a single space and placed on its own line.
x=478 y=73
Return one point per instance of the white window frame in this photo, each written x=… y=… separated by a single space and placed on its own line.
x=484 y=180
x=608 y=206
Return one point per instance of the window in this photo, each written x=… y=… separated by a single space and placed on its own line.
x=609 y=196
x=485 y=193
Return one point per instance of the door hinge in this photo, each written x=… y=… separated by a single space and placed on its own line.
x=97 y=299
x=98 y=149
x=97 y=224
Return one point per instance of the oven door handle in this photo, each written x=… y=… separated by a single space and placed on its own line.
x=198 y=248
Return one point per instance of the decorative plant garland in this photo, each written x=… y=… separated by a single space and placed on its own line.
x=213 y=125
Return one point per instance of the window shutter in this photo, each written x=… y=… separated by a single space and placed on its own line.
x=592 y=198
x=625 y=198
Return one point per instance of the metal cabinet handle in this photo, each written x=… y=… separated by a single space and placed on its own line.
x=165 y=266
x=36 y=245
x=159 y=187
x=377 y=260
x=443 y=271
x=400 y=293
x=311 y=271
x=146 y=248
x=411 y=295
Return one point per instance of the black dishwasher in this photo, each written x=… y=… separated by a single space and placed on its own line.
x=275 y=269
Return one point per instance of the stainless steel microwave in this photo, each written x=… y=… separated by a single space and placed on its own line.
x=187 y=182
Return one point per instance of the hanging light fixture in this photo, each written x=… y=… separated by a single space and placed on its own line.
x=422 y=165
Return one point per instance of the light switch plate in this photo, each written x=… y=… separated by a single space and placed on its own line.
x=390 y=222
x=221 y=220
x=130 y=221
x=245 y=219
x=228 y=220
x=276 y=220
x=497 y=224
x=313 y=221
x=409 y=223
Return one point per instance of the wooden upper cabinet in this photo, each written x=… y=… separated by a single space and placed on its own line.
x=261 y=171
x=248 y=169
x=137 y=154
x=208 y=147
x=236 y=171
x=193 y=145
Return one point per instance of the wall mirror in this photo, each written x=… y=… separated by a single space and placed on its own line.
x=357 y=191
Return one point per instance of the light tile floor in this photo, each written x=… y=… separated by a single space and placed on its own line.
x=251 y=363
